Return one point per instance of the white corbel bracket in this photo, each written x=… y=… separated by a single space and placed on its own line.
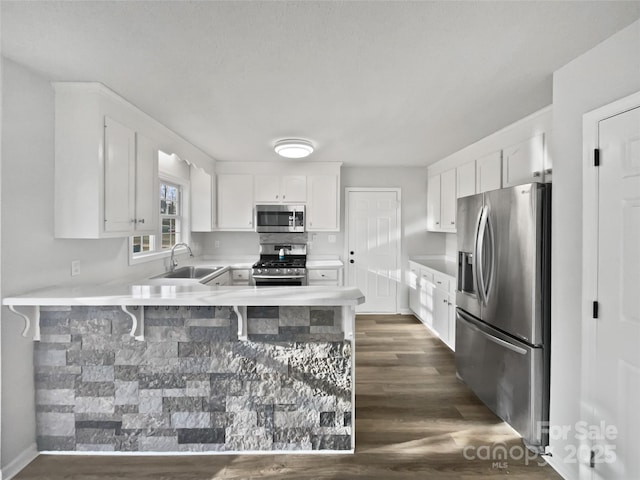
x=31 y=315
x=241 y=312
x=137 y=321
x=348 y=320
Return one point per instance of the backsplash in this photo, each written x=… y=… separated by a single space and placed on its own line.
x=234 y=244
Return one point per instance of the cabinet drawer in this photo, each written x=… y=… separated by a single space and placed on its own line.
x=322 y=274
x=426 y=275
x=240 y=275
x=441 y=281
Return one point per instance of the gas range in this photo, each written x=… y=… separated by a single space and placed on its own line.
x=275 y=269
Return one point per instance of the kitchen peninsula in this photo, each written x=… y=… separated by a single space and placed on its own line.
x=192 y=368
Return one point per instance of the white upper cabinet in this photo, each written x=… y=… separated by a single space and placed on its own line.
x=203 y=200
x=442 y=202
x=106 y=163
x=235 y=202
x=147 y=211
x=130 y=181
x=523 y=162
x=489 y=172
x=323 y=207
x=466 y=179
x=119 y=177
x=105 y=171
x=448 y=200
x=242 y=185
x=433 y=203
x=280 y=189
x=294 y=188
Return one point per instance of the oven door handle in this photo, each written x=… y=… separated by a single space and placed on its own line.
x=283 y=277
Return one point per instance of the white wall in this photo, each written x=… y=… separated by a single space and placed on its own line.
x=31 y=257
x=609 y=71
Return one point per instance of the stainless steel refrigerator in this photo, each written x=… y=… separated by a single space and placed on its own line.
x=503 y=304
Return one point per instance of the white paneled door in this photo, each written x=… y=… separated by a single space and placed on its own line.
x=373 y=221
x=617 y=352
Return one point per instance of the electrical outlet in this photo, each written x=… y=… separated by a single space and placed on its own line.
x=216 y=244
x=75 y=268
x=331 y=238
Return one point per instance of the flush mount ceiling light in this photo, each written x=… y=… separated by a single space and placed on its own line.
x=293 y=148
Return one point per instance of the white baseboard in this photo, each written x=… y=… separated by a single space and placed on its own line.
x=560 y=468
x=406 y=311
x=18 y=463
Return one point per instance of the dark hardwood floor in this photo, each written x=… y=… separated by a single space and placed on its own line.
x=414 y=420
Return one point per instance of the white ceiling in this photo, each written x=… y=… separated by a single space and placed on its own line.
x=380 y=83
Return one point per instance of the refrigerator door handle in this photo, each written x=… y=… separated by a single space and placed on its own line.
x=488 y=336
x=487 y=276
x=479 y=255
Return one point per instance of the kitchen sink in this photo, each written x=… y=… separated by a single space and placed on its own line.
x=190 y=272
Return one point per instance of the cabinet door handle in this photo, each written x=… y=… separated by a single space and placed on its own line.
x=437 y=223
x=141 y=220
x=277 y=197
x=283 y=197
x=453 y=223
x=536 y=174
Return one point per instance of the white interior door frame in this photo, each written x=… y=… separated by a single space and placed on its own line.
x=398 y=232
x=590 y=234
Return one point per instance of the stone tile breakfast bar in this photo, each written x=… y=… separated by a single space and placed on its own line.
x=192 y=368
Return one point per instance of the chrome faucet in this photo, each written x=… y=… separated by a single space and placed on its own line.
x=174 y=262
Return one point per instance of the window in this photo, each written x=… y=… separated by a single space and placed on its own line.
x=169 y=214
x=171 y=223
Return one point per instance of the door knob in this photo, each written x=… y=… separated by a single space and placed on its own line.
x=352 y=252
x=352 y=261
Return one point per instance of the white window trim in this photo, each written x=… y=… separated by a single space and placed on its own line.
x=185 y=225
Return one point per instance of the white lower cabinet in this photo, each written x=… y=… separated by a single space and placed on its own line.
x=329 y=276
x=432 y=300
x=220 y=281
x=240 y=276
x=413 y=281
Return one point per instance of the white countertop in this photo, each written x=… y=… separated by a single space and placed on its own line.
x=439 y=264
x=192 y=294
x=164 y=291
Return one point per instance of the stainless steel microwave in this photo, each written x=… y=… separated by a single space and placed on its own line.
x=280 y=218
